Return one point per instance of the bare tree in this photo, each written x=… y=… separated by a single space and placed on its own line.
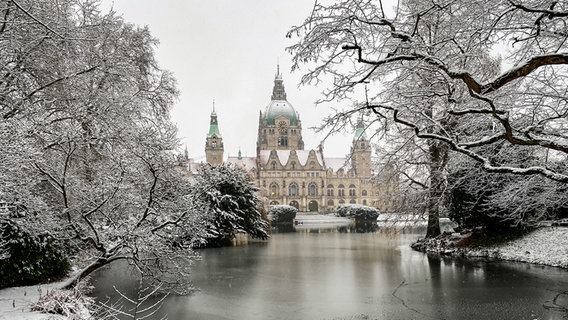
x=433 y=67
x=84 y=111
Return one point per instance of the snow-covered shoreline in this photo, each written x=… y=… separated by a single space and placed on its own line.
x=544 y=246
x=16 y=302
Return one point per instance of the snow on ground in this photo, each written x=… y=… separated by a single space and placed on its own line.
x=15 y=302
x=547 y=246
x=302 y=218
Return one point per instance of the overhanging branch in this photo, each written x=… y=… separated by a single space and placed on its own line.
x=487 y=165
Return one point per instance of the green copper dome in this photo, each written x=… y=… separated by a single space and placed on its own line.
x=278 y=108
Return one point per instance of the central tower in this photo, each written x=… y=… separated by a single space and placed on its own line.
x=279 y=128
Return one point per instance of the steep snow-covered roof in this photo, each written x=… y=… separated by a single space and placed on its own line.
x=248 y=163
x=304 y=154
x=284 y=156
x=336 y=163
x=263 y=157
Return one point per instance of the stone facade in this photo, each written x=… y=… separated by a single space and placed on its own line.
x=287 y=174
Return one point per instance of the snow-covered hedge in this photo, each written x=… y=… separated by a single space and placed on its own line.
x=283 y=213
x=358 y=212
x=343 y=210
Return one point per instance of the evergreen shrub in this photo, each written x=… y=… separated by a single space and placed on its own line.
x=283 y=213
x=27 y=259
x=344 y=210
x=358 y=212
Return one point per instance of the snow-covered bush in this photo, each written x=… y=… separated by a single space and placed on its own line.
x=72 y=304
x=283 y=213
x=232 y=204
x=358 y=212
x=364 y=213
x=29 y=259
x=344 y=210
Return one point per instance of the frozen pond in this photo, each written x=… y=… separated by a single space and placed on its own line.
x=335 y=274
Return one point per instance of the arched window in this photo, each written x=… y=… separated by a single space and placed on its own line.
x=341 y=190
x=293 y=164
x=273 y=164
x=313 y=206
x=364 y=193
x=283 y=141
x=295 y=204
x=274 y=189
x=351 y=190
x=364 y=202
x=330 y=190
x=352 y=201
x=341 y=201
x=312 y=165
x=330 y=203
x=312 y=189
x=293 y=189
x=214 y=144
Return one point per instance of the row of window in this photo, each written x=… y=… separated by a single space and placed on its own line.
x=282 y=131
x=313 y=190
x=292 y=174
x=312 y=164
x=330 y=203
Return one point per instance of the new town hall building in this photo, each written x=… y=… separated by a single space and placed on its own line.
x=286 y=173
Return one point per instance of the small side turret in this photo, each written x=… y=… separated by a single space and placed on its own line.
x=361 y=151
x=214 y=143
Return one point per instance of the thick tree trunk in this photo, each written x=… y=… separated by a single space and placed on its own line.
x=438 y=153
x=433 y=229
x=74 y=280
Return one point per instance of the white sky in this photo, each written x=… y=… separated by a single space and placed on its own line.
x=227 y=50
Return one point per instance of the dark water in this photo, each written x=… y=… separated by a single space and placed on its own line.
x=326 y=274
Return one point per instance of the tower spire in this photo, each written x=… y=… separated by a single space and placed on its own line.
x=278 y=92
x=213 y=124
x=360 y=129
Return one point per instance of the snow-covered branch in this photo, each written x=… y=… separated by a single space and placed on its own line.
x=465 y=149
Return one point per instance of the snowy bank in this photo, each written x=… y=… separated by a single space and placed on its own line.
x=545 y=246
x=49 y=301
x=16 y=302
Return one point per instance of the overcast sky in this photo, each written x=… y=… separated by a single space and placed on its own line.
x=227 y=50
